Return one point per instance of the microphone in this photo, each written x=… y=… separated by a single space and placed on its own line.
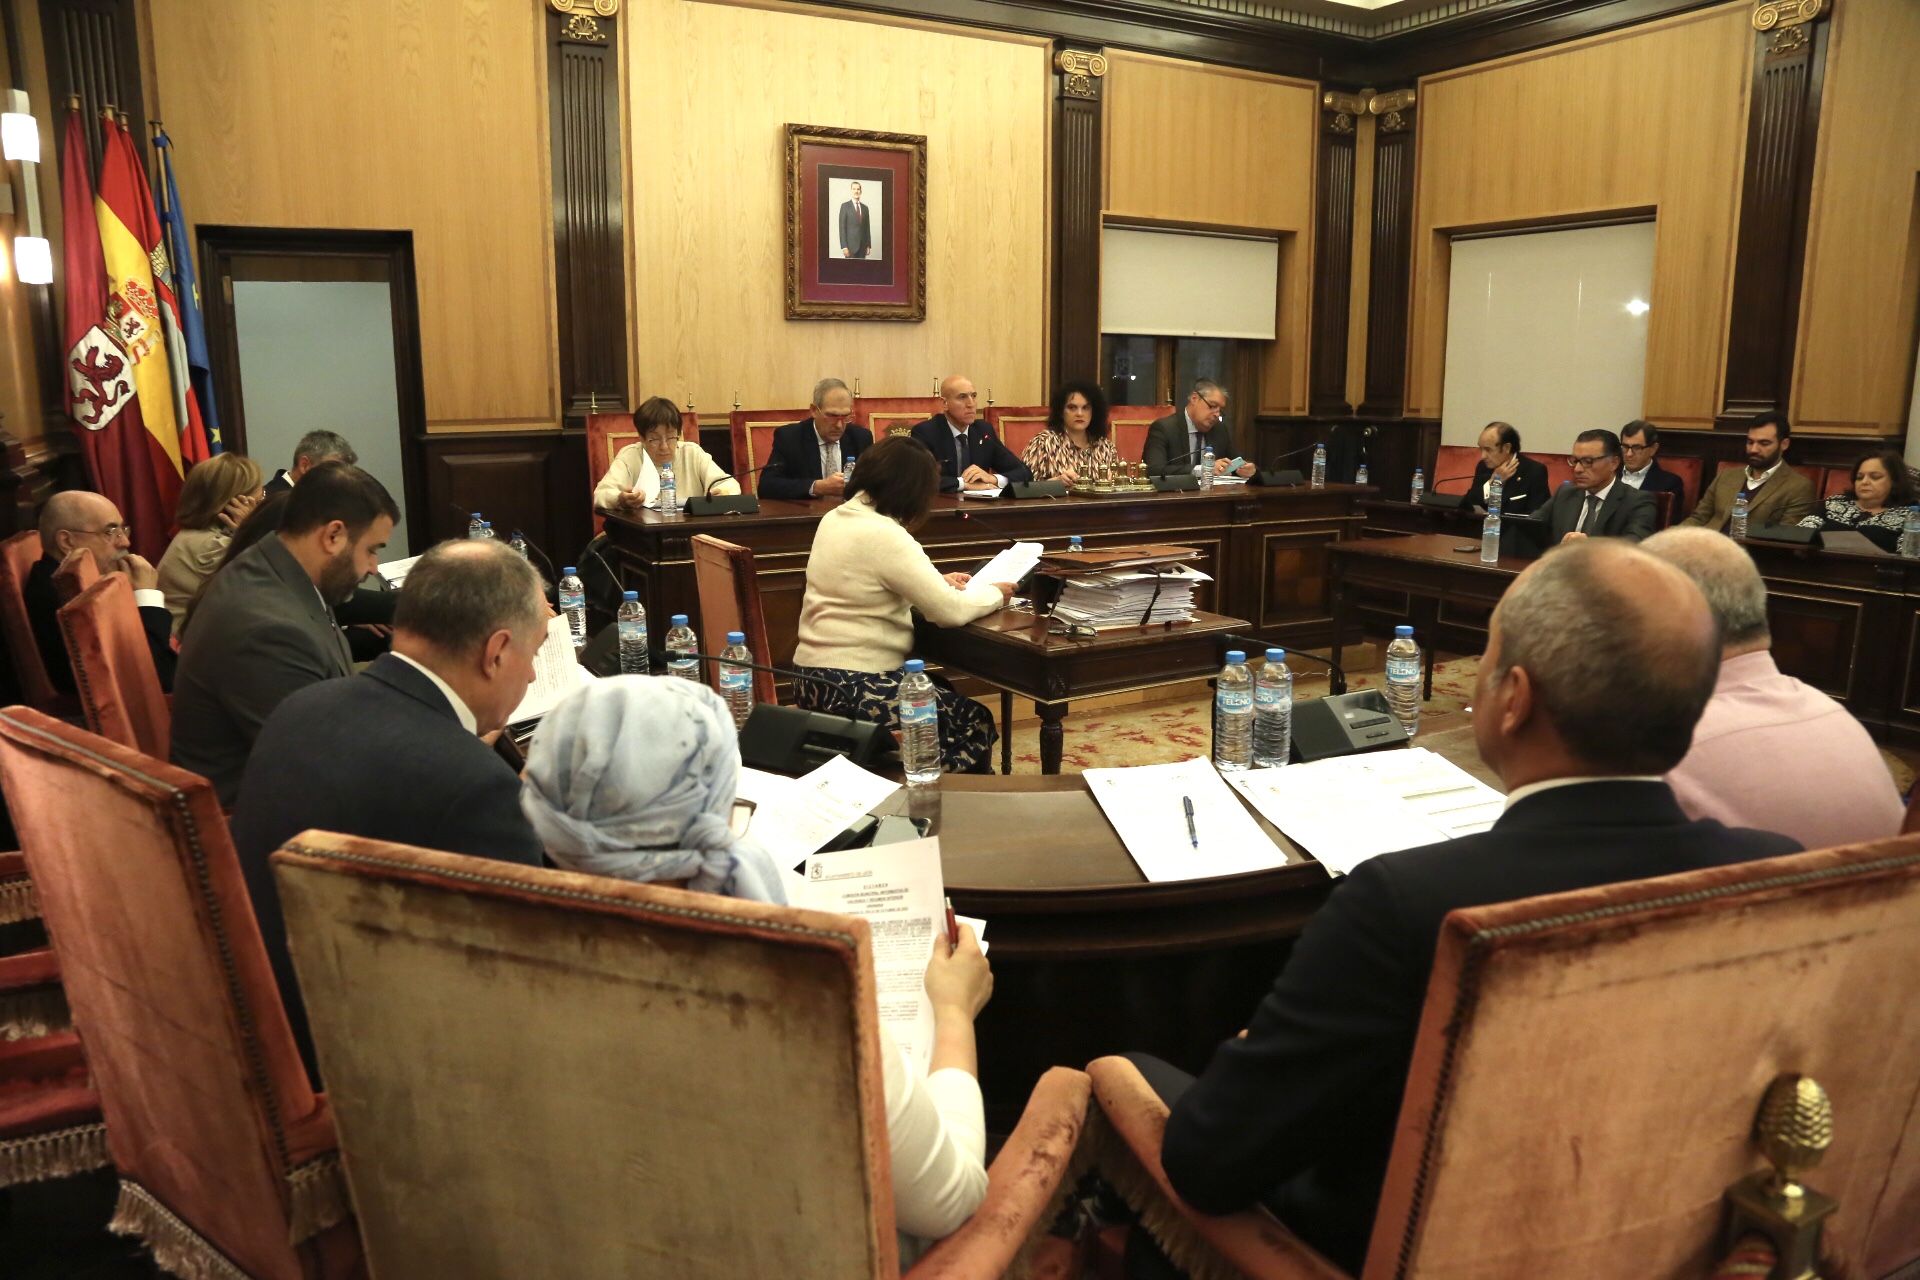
x=765 y=466
x=758 y=666
x=1337 y=679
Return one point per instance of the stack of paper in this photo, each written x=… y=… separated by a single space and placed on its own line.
x=1147 y=806
x=556 y=673
x=794 y=816
x=1130 y=597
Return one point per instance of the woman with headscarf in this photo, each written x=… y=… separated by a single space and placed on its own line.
x=635 y=777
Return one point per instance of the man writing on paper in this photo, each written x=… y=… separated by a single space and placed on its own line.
x=1299 y=1113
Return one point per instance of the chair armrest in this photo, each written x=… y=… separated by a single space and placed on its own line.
x=1127 y=1130
x=1026 y=1185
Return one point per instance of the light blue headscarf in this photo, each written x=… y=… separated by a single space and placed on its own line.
x=634 y=777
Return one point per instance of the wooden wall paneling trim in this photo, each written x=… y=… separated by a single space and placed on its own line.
x=583 y=87
x=1497 y=33
x=1078 y=160
x=1390 y=261
x=536 y=480
x=1783 y=122
x=1333 y=216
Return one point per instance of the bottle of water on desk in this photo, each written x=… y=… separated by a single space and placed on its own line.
x=1910 y=536
x=632 y=621
x=1403 y=679
x=669 y=493
x=1490 y=535
x=475 y=525
x=919 y=726
x=519 y=543
x=1272 y=712
x=1233 y=715
x=1495 y=490
x=1074 y=545
x=846 y=471
x=573 y=606
x=1737 y=526
x=1206 y=467
x=1360 y=475
x=486 y=530
x=736 y=682
x=681 y=646
x=1319 y=466
x=1419 y=484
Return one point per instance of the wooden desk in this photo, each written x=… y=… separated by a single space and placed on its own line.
x=1013 y=651
x=1432 y=578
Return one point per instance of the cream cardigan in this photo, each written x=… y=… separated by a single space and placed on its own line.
x=693 y=470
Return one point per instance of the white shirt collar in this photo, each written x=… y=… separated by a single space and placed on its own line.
x=1600 y=495
x=1535 y=788
x=460 y=708
x=1747 y=474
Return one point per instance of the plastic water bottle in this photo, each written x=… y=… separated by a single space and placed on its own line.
x=1360 y=475
x=1403 y=679
x=1074 y=545
x=669 y=493
x=1233 y=715
x=1419 y=484
x=1737 y=527
x=1319 y=466
x=1273 y=712
x=736 y=682
x=919 y=726
x=573 y=605
x=1490 y=535
x=846 y=468
x=1495 y=490
x=682 y=644
x=486 y=530
x=632 y=620
x=1206 y=467
x=475 y=526
x=519 y=543
x=1910 y=536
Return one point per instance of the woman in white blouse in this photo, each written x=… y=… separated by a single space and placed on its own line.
x=633 y=479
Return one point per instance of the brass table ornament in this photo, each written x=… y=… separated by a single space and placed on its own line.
x=1793 y=1131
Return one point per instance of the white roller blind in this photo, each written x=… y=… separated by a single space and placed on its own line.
x=1547 y=331
x=1180 y=284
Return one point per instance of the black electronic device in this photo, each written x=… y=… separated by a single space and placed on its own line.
x=1037 y=489
x=793 y=741
x=1174 y=484
x=727 y=504
x=1280 y=479
x=1343 y=724
x=1791 y=534
x=1444 y=501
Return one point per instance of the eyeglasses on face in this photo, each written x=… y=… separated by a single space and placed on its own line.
x=112 y=532
x=1636 y=448
x=1212 y=406
x=1577 y=462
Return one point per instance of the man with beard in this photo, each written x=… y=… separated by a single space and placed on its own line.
x=1776 y=493
x=73 y=519
x=264 y=627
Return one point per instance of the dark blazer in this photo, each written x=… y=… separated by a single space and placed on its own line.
x=368 y=606
x=794 y=462
x=856 y=227
x=259 y=633
x=1301 y=1113
x=279 y=483
x=1627 y=513
x=381 y=755
x=43 y=612
x=984 y=449
x=1528 y=491
x=1166 y=453
x=1661 y=480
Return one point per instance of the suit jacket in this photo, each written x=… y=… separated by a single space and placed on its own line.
x=1166 y=453
x=43 y=611
x=856 y=227
x=381 y=755
x=259 y=633
x=984 y=449
x=1301 y=1113
x=368 y=606
x=1786 y=498
x=279 y=483
x=1627 y=513
x=794 y=462
x=1527 y=492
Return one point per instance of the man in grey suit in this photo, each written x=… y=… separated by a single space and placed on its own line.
x=1598 y=504
x=856 y=227
x=1175 y=442
x=264 y=626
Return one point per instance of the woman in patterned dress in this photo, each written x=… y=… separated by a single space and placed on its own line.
x=1078 y=441
x=1882 y=491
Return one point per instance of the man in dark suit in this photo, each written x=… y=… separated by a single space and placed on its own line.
x=810 y=457
x=1299 y=1113
x=264 y=627
x=856 y=230
x=1596 y=504
x=1176 y=442
x=1524 y=486
x=72 y=519
x=314 y=448
x=970 y=454
x=1640 y=467
x=395 y=753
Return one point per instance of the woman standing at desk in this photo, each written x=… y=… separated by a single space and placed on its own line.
x=865 y=576
x=1876 y=506
x=1078 y=443
x=633 y=480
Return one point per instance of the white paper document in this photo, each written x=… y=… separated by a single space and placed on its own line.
x=1012 y=564
x=395 y=571
x=556 y=673
x=1346 y=810
x=1146 y=806
x=982 y=493
x=794 y=816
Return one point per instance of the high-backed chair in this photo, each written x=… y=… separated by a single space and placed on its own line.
x=16 y=890
x=752 y=431
x=120 y=692
x=544 y=1074
x=609 y=433
x=75 y=574
x=1664 y=509
x=1836 y=481
x=1017 y=425
x=1688 y=469
x=1587 y=1071
x=1453 y=468
x=1130 y=423
x=226 y=1156
x=17 y=557
x=730 y=601
x=893 y=415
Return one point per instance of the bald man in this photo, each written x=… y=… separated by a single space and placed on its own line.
x=970 y=453
x=76 y=518
x=1299 y=1112
x=1769 y=751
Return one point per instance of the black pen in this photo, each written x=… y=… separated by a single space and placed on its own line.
x=1192 y=834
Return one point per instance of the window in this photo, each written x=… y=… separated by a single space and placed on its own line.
x=1153 y=370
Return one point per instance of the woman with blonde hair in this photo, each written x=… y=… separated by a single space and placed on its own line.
x=215 y=498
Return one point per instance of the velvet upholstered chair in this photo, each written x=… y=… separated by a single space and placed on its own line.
x=17 y=557
x=542 y=1074
x=1586 y=1076
x=730 y=601
x=120 y=692
x=226 y=1157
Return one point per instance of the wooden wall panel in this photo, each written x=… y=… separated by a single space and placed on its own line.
x=23 y=380
x=710 y=87
x=366 y=114
x=1853 y=360
x=1653 y=115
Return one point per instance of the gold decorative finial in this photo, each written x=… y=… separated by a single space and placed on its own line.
x=1794 y=1129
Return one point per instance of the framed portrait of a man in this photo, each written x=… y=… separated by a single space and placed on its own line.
x=856 y=224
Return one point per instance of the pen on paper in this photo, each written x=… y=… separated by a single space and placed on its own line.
x=953 y=927
x=1193 y=832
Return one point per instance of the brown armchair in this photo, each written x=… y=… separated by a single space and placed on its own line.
x=538 y=1073
x=119 y=690
x=1587 y=1071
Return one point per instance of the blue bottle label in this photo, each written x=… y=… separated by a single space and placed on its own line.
x=1234 y=700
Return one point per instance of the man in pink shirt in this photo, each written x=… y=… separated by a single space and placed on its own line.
x=1771 y=752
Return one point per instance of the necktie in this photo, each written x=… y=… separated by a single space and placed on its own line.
x=830 y=459
x=1586 y=516
x=959 y=456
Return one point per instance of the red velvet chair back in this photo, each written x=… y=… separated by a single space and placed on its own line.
x=1130 y=423
x=730 y=601
x=1017 y=426
x=1664 y=513
x=223 y=1150
x=1558 y=472
x=1453 y=468
x=120 y=692
x=1837 y=481
x=893 y=415
x=17 y=557
x=75 y=574
x=752 y=431
x=1688 y=469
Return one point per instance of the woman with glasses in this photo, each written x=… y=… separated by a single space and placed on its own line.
x=633 y=479
x=216 y=498
x=1876 y=505
x=1077 y=445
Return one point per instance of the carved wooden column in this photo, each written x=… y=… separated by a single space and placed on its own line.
x=1783 y=121
x=1389 y=281
x=1074 y=291
x=1333 y=254
x=589 y=235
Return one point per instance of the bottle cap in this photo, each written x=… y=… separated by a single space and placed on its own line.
x=736 y=637
x=1276 y=655
x=915 y=666
x=569 y=571
x=1403 y=633
x=1416 y=471
x=630 y=595
x=476 y=515
x=1236 y=656
x=678 y=620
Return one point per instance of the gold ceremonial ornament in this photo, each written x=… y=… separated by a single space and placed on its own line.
x=1786 y=13
x=605 y=8
x=1793 y=1130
